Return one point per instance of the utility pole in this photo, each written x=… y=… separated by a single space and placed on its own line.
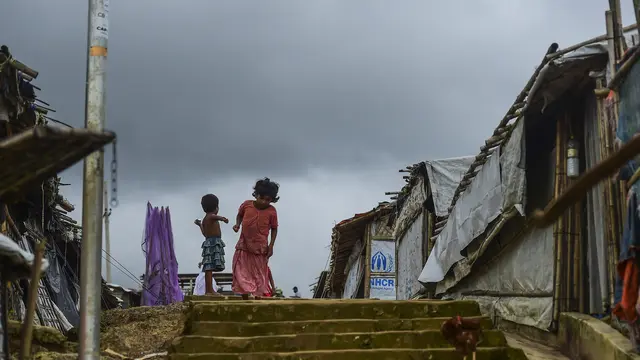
x=91 y=257
x=107 y=242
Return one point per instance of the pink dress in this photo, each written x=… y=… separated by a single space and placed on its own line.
x=250 y=274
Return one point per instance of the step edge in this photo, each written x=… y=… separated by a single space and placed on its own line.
x=329 y=351
x=333 y=320
x=389 y=332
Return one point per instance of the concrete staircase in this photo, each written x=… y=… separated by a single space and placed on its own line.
x=328 y=329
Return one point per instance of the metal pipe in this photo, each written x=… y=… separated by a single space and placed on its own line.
x=107 y=242
x=91 y=258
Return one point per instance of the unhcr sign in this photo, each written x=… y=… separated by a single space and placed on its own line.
x=383 y=256
x=383 y=288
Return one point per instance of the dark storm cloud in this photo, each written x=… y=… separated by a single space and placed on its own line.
x=204 y=89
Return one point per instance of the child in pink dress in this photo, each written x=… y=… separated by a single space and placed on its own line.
x=257 y=218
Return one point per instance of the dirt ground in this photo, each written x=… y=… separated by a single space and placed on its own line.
x=134 y=333
x=141 y=331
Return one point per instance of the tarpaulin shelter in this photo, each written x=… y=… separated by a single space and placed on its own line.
x=350 y=271
x=32 y=152
x=486 y=249
x=421 y=204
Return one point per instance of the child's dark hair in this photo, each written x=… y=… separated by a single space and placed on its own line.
x=209 y=203
x=266 y=187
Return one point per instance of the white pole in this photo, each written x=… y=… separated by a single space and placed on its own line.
x=91 y=258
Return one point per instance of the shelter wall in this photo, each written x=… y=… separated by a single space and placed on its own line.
x=518 y=285
x=410 y=258
x=354 y=271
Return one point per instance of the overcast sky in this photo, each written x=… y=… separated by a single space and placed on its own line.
x=329 y=98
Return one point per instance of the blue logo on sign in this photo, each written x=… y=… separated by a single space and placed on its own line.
x=383 y=283
x=381 y=262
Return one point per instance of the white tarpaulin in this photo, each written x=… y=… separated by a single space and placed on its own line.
x=200 y=287
x=514 y=178
x=410 y=260
x=444 y=177
x=524 y=274
x=353 y=277
x=353 y=271
x=480 y=204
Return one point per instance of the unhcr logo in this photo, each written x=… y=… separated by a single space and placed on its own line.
x=381 y=262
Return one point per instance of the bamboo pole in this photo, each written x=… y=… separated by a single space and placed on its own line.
x=557 y=227
x=607 y=123
x=579 y=257
x=636 y=12
x=603 y=154
x=575 y=273
x=621 y=45
x=594 y=40
x=566 y=234
x=27 y=326
x=430 y=243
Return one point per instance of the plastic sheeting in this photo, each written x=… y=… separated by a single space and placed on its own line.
x=595 y=215
x=20 y=261
x=353 y=271
x=353 y=277
x=444 y=177
x=480 y=204
x=629 y=121
x=525 y=269
x=558 y=75
x=200 y=287
x=61 y=288
x=514 y=177
x=161 y=285
x=410 y=260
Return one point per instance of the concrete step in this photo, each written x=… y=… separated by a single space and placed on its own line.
x=425 y=339
x=293 y=310
x=221 y=328
x=201 y=298
x=360 y=354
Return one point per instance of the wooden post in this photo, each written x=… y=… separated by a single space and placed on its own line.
x=367 y=269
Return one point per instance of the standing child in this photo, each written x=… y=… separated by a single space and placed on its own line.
x=257 y=218
x=213 y=246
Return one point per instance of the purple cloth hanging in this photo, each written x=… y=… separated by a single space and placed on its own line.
x=161 y=285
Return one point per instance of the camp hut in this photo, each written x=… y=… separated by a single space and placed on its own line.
x=486 y=249
x=422 y=202
x=362 y=261
x=34 y=208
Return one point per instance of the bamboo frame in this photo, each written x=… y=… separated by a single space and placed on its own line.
x=27 y=326
x=594 y=40
x=609 y=19
x=367 y=269
x=566 y=218
x=579 y=256
x=430 y=235
x=557 y=228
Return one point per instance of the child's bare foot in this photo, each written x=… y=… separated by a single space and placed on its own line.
x=248 y=297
